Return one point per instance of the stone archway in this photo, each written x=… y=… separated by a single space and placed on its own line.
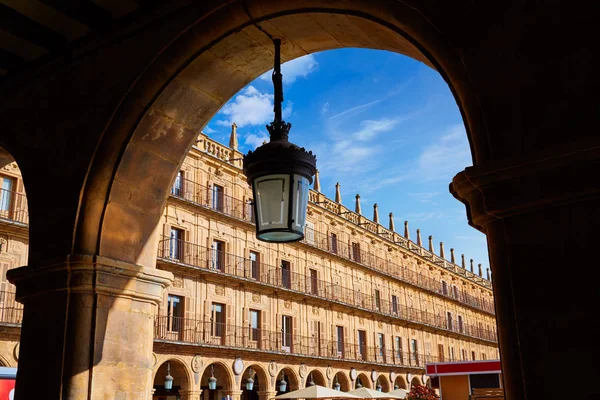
x=290 y=377
x=261 y=382
x=225 y=383
x=383 y=380
x=363 y=380
x=344 y=380
x=415 y=381
x=317 y=377
x=400 y=382
x=181 y=379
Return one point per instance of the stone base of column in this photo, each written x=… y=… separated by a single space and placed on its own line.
x=190 y=394
x=97 y=316
x=266 y=395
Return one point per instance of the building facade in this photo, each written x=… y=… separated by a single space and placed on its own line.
x=354 y=303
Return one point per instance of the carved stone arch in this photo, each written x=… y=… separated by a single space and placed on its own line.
x=318 y=377
x=401 y=382
x=384 y=382
x=291 y=376
x=343 y=379
x=179 y=368
x=415 y=381
x=261 y=373
x=222 y=369
x=365 y=380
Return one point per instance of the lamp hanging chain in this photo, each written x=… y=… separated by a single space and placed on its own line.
x=278 y=129
x=277 y=81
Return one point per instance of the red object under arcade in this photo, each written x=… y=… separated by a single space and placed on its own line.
x=464 y=368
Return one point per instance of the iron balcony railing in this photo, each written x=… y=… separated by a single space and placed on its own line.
x=11 y=311
x=13 y=206
x=180 y=251
x=208 y=197
x=201 y=332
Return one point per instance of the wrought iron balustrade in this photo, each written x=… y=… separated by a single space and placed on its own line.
x=11 y=311
x=276 y=276
x=200 y=332
x=13 y=206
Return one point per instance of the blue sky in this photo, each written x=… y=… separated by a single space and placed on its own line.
x=382 y=125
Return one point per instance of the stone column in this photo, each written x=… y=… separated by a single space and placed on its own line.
x=266 y=394
x=541 y=220
x=190 y=394
x=97 y=319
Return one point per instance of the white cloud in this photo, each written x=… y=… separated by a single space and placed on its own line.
x=447 y=156
x=425 y=216
x=251 y=107
x=426 y=197
x=325 y=108
x=370 y=128
x=354 y=110
x=291 y=70
x=253 y=141
x=208 y=130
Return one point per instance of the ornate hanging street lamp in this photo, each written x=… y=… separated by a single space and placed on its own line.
x=280 y=174
x=337 y=385
x=168 y=378
x=250 y=381
x=282 y=383
x=212 y=381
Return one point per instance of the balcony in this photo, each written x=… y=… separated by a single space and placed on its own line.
x=13 y=207
x=219 y=262
x=202 y=196
x=11 y=311
x=206 y=333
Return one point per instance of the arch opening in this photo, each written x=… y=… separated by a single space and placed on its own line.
x=362 y=380
x=260 y=382
x=344 y=380
x=177 y=370
x=289 y=376
x=315 y=376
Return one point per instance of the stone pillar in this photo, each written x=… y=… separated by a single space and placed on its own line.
x=541 y=220
x=190 y=394
x=97 y=320
x=266 y=394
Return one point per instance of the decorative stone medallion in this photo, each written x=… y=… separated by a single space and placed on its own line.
x=424 y=379
x=373 y=375
x=392 y=377
x=315 y=310
x=329 y=372
x=196 y=363
x=273 y=368
x=178 y=281
x=287 y=304
x=18 y=347
x=238 y=366
x=361 y=321
x=302 y=370
x=409 y=377
x=353 y=374
x=340 y=315
x=256 y=298
x=380 y=324
x=220 y=290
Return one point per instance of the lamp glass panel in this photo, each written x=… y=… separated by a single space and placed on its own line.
x=272 y=197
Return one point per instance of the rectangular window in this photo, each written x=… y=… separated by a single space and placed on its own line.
x=314 y=282
x=334 y=243
x=440 y=352
x=483 y=356
x=377 y=300
x=444 y=288
x=309 y=236
x=398 y=349
x=449 y=320
x=174 y=313
x=362 y=345
x=254 y=265
x=218 y=250
x=6 y=196
x=414 y=352
x=381 y=346
x=455 y=291
x=451 y=351
x=255 y=325
x=394 y=304
x=356 y=251
x=176 y=244
x=286 y=338
x=218 y=319
x=464 y=355
x=177 y=189
x=460 y=324
x=286 y=278
x=340 y=341
x=473 y=355
x=218 y=198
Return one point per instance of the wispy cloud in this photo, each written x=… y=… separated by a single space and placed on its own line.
x=426 y=197
x=208 y=130
x=426 y=216
x=250 y=107
x=325 y=108
x=297 y=68
x=370 y=128
x=252 y=140
x=447 y=156
x=354 y=110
